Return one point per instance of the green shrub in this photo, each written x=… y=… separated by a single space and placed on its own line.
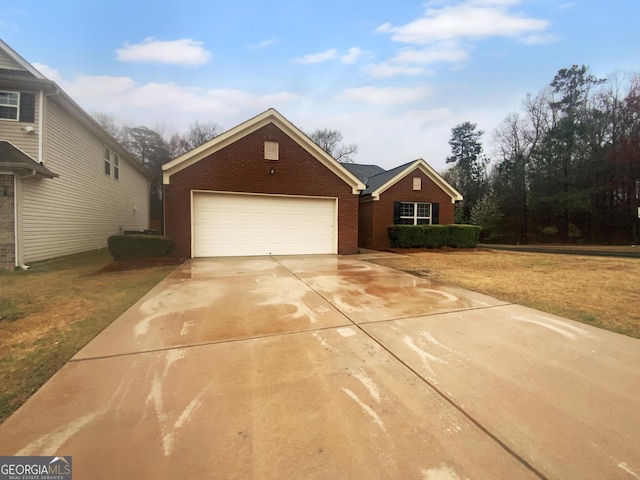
x=132 y=247
x=464 y=236
x=434 y=236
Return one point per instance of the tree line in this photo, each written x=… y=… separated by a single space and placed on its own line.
x=565 y=167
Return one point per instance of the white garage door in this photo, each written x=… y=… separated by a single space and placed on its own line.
x=238 y=224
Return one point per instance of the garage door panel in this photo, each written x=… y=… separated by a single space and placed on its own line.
x=230 y=224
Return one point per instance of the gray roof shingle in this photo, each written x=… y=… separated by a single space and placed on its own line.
x=363 y=172
x=373 y=176
x=13 y=158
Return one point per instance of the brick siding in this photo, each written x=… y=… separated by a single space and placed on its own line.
x=7 y=222
x=377 y=216
x=241 y=167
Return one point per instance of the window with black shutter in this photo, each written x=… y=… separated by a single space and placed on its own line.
x=18 y=106
x=414 y=213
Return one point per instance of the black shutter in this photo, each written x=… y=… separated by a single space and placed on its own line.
x=396 y=213
x=435 y=213
x=27 y=107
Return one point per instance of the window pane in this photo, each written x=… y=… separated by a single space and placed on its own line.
x=9 y=98
x=424 y=221
x=405 y=221
x=424 y=210
x=9 y=113
x=406 y=209
x=116 y=166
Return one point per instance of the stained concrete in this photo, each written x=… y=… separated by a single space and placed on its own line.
x=332 y=367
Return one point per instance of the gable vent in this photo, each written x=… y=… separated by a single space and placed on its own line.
x=271 y=151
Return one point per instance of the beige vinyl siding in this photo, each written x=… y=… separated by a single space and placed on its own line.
x=13 y=132
x=78 y=211
x=7 y=62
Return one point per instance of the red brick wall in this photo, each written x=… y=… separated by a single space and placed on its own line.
x=241 y=167
x=7 y=223
x=365 y=224
x=403 y=192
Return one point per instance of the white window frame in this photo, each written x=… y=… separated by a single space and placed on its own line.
x=116 y=166
x=9 y=105
x=415 y=217
x=107 y=161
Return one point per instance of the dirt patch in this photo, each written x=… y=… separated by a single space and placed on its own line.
x=140 y=263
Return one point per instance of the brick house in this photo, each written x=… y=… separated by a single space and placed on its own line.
x=261 y=188
x=411 y=194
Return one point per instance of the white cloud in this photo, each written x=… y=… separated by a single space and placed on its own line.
x=185 y=52
x=442 y=52
x=136 y=103
x=446 y=32
x=317 y=57
x=386 y=96
x=473 y=19
x=47 y=71
x=386 y=70
x=352 y=55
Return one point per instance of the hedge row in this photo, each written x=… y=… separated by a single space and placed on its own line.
x=434 y=236
x=132 y=247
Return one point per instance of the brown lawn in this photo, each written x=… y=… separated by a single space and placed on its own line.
x=50 y=312
x=600 y=291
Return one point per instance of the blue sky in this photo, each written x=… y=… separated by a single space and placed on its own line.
x=393 y=77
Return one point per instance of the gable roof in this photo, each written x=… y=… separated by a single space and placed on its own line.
x=377 y=184
x=15 y=160
x=26 y=66
x=250 y=126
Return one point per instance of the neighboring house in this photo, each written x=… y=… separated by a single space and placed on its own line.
x=261 y=188
x=411 y=194
x=65 y=184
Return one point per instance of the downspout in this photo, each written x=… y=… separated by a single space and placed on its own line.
x=19 y=262
x=40 y=126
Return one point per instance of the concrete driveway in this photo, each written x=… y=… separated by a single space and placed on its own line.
x=333 y=367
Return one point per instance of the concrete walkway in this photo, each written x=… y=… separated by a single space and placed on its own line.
x=333 y=367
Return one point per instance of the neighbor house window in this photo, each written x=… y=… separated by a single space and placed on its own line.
x=417 y=183
x=18 y=106
x=9 y=105
x=116 y=166
x=414 y=213
x=107 y=161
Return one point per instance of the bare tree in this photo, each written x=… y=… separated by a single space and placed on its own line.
x=200 y=133
x=331 y=142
